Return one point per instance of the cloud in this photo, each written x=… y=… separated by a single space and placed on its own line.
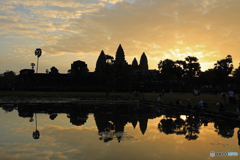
x=162 y=29
x=56 y=14
x=59 y=3
x=8 y=17
x=156 y=25
x=111 y=1
x=39 y=17
x=1 y=62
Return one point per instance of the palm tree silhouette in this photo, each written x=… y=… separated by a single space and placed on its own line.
x=38 y=53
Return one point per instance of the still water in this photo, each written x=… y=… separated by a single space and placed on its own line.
x=110 y=134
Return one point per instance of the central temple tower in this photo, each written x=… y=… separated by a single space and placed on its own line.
x=120 y=57
x=143 y=62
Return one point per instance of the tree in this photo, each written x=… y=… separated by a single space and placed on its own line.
x=180 y=71
x=32 y=64
x=9 y=78
x=167 y=68
x=8 y=108
x=38 y=53
x=208 y=77
x=236 y=74
x=54 y=70
x=192 y=67
x=223 y=68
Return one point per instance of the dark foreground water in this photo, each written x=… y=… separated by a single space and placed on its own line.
x=117 y=133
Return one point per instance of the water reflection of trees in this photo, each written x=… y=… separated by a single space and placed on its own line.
x=8 y=108
x=174 y=124
x=189 y=127
x=170 y=126
x=223 y=128
x=193 y=124
x=78 y=119
x=112 y=119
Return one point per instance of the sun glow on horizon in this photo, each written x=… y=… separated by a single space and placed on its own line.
x=184 y=117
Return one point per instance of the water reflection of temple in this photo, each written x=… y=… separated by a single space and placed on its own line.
x=112 y=126
x=111 y=120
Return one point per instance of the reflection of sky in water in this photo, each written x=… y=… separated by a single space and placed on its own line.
x=59 y=139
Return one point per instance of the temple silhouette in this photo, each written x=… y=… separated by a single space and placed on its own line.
x=113 y=74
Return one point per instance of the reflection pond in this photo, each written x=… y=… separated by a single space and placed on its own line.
x=70 y=131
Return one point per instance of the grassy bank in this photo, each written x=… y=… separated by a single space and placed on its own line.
x=210 y=99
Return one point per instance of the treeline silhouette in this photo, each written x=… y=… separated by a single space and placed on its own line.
x=117 y=75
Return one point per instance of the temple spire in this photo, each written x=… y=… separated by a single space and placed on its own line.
x=101 y=62
x=143 y=62
x=120 y=57
x=134 y=63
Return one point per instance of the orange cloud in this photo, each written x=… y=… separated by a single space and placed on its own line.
x=162 y=29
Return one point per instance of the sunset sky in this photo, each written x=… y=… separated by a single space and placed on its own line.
x=70 y=30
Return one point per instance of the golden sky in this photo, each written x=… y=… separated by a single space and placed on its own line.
x=79 y=29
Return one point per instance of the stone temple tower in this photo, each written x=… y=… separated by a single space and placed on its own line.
x=120 y=57
x=101 y=63
x=120 y=62
x=134 y=63
x=143 y=62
